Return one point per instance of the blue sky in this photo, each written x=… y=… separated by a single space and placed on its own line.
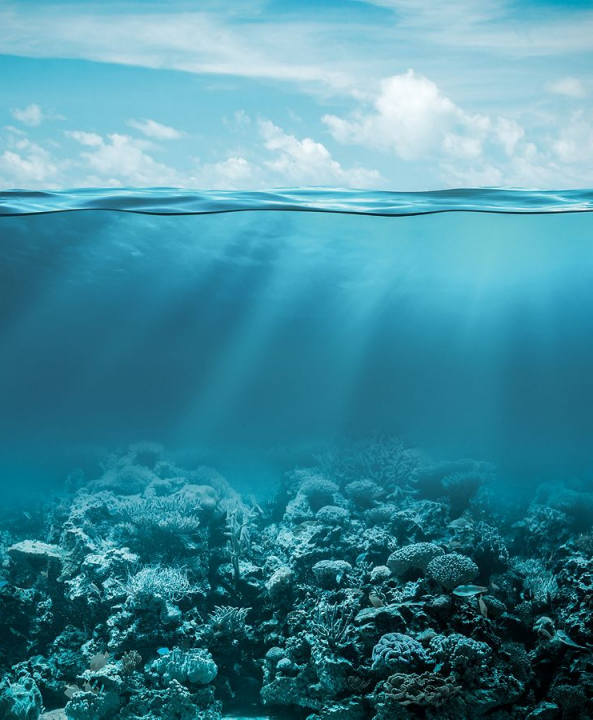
x=395 y=94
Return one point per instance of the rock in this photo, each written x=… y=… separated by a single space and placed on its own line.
x=330 y=573
x=286 y=666
x=20 y=700
x=544 y=711
x=59 y=714
x=35 y=551
x=333 y=515
x=280 y=583
x=364 y=493
x=30 y=558
x=494 y=606
x=194 y=666
x=380 y=573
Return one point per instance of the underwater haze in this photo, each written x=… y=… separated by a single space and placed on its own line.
x=308 y=454
x=466 y=334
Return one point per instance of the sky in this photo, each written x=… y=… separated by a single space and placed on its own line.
x=240 y=94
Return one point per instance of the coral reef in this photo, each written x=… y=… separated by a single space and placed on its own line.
x=155 y=592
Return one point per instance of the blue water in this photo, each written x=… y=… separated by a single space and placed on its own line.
x=464 y=326
x=368 y=403
x=167 y=201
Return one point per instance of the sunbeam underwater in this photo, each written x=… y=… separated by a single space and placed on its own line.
x=418 y=358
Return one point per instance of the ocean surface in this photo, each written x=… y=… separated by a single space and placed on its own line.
x=308 y=454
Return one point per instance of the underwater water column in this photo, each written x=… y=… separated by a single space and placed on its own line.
x=306 y=460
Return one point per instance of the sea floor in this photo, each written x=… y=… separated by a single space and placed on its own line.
x=370 y=584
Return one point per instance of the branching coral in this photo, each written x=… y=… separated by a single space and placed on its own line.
x=331 y=624
x=155 y=517
x=231 y=622
x=385 y=460
x=167 y=583
x=239 y=519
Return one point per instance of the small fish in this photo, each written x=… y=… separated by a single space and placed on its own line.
x=71 y=690
x=482 y=606
x=566 y=640
x=27 y=515
x=98 y=661
x=375 y=600
x=467 y=591
x=162 y=651
x=3 y=584
x=459 y=523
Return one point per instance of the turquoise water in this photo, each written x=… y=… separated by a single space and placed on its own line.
x=467 y=334
x=303 y=454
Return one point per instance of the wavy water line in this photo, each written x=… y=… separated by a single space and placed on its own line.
x=172 y=201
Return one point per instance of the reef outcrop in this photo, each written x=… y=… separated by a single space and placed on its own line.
x=154 y=592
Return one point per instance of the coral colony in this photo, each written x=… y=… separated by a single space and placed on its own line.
x=373 y=585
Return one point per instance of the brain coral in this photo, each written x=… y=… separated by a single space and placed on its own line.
x=396 y=652
x=452 y=569
x=413 y=557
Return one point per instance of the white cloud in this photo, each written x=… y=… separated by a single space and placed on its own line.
x=281 y=160
x=32 y=115
x=462 y=146
x=156 y=130
x=413 y=118
x=25 y=164
x=234 y=173
x=213 y=43
x=509 y=133
x=121 y=159
x=574 y=144
x=569 y=87
x=90 y=139
x=496 y=25
x=307 y=162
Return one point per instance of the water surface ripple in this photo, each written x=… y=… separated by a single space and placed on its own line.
x=172 y=201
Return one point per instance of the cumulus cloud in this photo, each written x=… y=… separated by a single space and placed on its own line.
x=32 y=115
x=233 y=173
x=307 y=162
x=414 y=120
x=282 y=159
x=569 y=87
x=411 y=117
x=121 y=158
x=156 y=130
x=25 y=164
